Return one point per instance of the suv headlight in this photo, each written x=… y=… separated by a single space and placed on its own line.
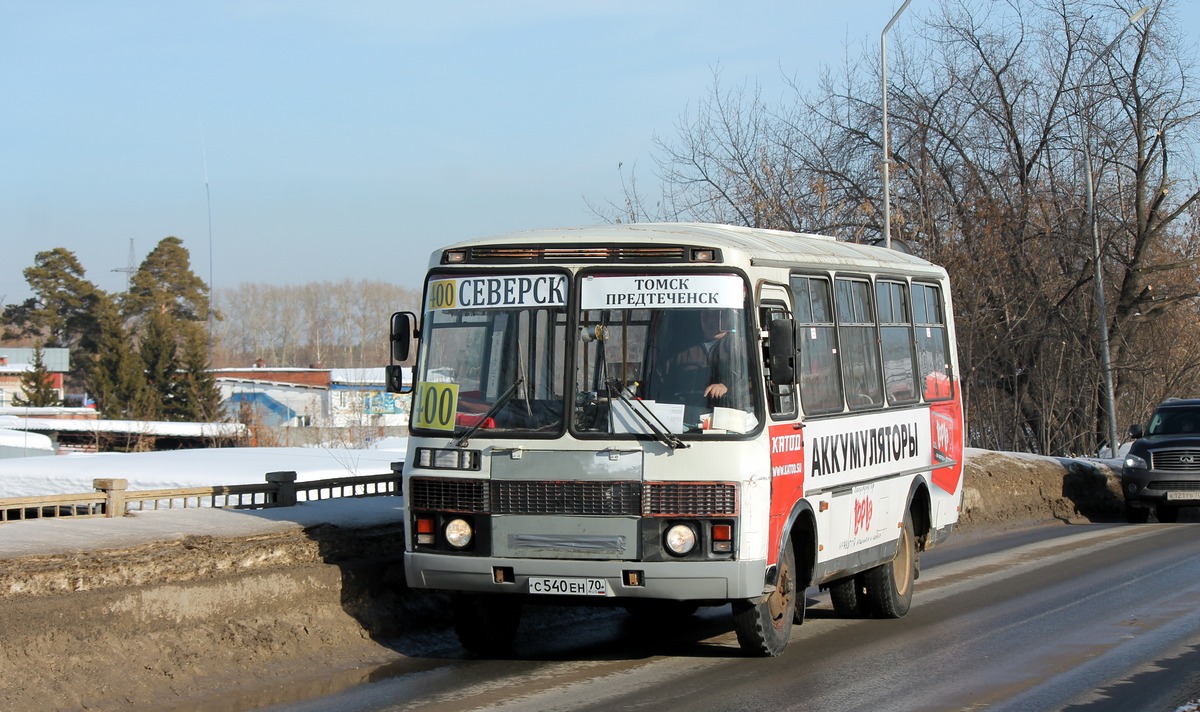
x=1135 y=462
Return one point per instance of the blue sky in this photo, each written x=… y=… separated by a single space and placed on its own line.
x=348 y=140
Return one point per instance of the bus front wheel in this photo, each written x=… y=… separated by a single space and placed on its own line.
x=486 y=625
x=764 y=624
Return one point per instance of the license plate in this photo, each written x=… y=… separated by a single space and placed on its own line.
x=568 y=586
x=1183 y=495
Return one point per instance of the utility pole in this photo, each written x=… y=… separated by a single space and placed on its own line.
x=1101 y=304
x=887 y=155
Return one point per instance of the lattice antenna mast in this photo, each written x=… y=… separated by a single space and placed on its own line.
x=129 y=268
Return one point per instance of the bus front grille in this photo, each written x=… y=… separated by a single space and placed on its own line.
x=591 y=498
x=448 y=495
x=692 y=499
x=653 y=499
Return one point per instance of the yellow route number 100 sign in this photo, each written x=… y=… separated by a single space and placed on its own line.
x=436 y=406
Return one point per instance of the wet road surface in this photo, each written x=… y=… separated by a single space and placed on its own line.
x=1093 y=618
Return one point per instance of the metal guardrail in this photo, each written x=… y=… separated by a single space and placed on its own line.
x=112 y=497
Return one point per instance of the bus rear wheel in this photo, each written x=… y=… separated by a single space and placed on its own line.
x=889 y=587
x=764 y=624
x=486 y=624
x=848 y=598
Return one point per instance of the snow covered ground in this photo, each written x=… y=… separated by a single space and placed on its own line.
x=72 y=474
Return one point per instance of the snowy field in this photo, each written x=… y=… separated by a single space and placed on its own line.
x=73 y=474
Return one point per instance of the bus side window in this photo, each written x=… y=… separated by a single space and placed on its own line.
x=860 y=345
x=929 y=331
x=819 y=371
x=895 y=337
x=781 y=397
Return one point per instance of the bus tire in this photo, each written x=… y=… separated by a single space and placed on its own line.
x=764 y=624
x=848 y=598
x=889 y=586
x=486 y=625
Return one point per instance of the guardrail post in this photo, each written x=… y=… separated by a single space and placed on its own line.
x=287 y=487
x=114 y=495
x=398 y=483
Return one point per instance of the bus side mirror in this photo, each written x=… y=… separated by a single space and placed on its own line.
x=781 y=348
x=402 y=333
x=394 y=374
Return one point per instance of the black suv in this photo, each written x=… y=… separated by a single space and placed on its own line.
x=1162 y=469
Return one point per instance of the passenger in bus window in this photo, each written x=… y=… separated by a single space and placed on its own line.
x=709 y=369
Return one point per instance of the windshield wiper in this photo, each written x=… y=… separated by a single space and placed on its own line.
x=657 y=428
x=463 y=439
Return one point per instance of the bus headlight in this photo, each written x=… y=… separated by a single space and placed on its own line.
x=680 y=539
x=458 y=533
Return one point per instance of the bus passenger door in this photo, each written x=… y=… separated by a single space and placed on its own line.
x=786 y=434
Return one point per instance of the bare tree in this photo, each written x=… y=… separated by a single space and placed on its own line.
x=334 y=324
x=989 y=113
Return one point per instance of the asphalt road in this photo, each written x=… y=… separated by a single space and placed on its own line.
x=1087 y=617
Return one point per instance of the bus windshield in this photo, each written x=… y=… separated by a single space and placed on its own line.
x=673 y=356
x=494 y=355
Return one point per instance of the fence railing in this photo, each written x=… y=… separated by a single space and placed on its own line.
x=112 y=497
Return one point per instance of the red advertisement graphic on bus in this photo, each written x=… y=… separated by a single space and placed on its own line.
x=787 y=478
x=945 y=425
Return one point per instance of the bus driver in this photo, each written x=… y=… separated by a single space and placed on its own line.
x=711 y=372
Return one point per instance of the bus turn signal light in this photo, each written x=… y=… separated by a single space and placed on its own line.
x=722 y=538
x=425 y=530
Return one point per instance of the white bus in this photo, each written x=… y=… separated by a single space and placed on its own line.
x=668 y=416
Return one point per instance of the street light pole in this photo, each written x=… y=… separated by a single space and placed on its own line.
x=887 y=156
x=1101 y=304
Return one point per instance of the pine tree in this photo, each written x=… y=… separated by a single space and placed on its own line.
x=160 y=362
x=37 y=386
x=61 y=310
x=165 y=283
x=64 y=308
x=115 y=378
x=200 y=399
x=168 y=303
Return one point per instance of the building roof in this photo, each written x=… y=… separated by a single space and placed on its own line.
x=125 y=427
x=309 y=377
x=23 y=439
x=57 y=360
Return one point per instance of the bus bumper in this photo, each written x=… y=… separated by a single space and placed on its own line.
x=673 y=580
